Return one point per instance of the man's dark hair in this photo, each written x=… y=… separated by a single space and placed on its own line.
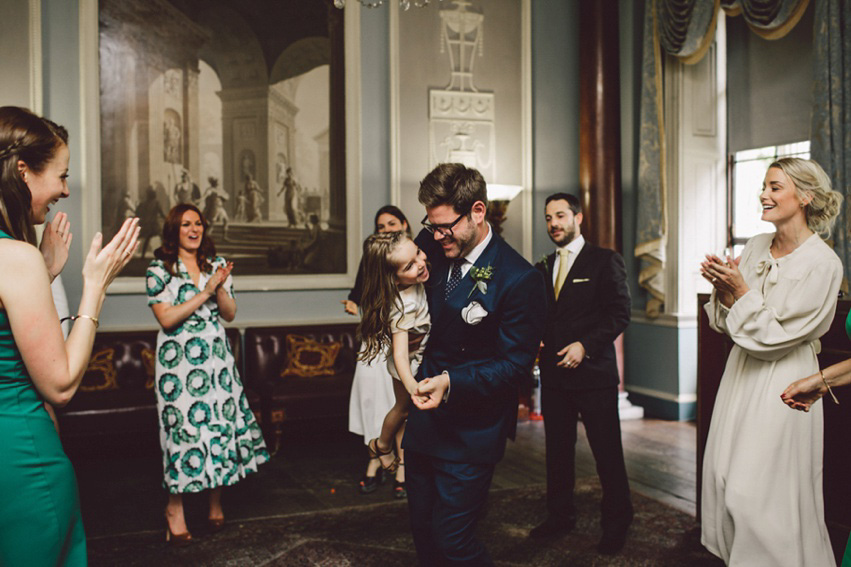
x=453 y=184
x=572 y=201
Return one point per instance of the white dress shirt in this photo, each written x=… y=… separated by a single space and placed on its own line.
x=574 y=247
x=470 y=259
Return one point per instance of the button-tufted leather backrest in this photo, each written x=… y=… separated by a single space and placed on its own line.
x=266 y=348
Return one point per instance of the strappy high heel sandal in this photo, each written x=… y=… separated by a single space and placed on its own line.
x=376 y=453
x=399 y=490
x=369 y=484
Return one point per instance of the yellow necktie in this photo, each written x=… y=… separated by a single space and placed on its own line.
x=561 y=276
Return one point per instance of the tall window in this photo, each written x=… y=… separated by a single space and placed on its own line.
x=747 y=171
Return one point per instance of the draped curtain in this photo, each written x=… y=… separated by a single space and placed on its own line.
x=831 y=125
x=685 y=29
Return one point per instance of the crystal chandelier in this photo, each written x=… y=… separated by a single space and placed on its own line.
x=404 y=4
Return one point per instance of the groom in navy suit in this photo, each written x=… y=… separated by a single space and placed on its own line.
x=487 y=308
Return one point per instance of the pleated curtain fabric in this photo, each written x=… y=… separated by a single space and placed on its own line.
x=831 y=120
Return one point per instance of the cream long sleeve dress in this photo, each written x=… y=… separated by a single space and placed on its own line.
x=762 y=500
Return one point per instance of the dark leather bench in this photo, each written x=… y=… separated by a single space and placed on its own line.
x=304 y=373
x=116 y=403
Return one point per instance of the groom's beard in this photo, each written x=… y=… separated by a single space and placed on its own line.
x=462 y=242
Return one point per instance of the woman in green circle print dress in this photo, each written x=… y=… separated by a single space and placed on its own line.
x=208 y=435
x=801 y=395
x=40 y=520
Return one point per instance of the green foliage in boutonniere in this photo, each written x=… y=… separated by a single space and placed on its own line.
x=481 y=277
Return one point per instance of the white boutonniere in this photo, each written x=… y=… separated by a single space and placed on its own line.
x=473 y=313
x=480 y=277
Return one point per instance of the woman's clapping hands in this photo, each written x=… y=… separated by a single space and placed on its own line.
x=102 y=265
x=218 y=278
x=725 y=277
x=55 y=243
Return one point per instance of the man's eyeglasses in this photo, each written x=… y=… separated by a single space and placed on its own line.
x=444 y=230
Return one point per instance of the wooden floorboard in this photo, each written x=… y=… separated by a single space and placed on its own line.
x=660 y=459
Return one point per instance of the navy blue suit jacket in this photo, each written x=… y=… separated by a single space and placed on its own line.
x=486 y=362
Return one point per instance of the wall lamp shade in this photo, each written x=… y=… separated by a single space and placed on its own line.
x=498 y=192
x=498 y=199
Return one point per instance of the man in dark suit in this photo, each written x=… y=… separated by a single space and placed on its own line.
x=487 y=321
x=588 y=306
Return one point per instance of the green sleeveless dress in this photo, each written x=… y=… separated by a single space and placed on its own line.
x=40 y=522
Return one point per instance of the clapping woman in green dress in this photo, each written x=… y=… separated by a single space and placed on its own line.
x=208 y=434
x=40 y=521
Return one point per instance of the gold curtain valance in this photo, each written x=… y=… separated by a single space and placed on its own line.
x=686 y=27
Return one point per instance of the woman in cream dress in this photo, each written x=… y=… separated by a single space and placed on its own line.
x=762 y=500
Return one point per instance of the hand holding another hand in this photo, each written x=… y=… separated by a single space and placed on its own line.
x=430 y=392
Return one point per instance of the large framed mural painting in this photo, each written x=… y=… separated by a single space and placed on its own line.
x=240 y=109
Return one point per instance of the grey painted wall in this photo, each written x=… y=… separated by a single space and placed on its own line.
x=555 y=108
x=60 y=73
x=654 y=355
x=15 y=47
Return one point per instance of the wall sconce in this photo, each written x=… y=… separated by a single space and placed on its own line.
x=498 y=198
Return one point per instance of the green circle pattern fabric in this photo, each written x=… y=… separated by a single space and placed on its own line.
x=208 y=434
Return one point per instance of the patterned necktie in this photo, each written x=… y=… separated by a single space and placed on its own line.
x=561 y=276
x=454 y=276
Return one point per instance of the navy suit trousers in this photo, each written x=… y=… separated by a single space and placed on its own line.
x=445 y=500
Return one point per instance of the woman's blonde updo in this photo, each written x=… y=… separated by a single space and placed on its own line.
x=812 y=182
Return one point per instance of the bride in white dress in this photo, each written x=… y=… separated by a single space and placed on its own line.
x=762 y=501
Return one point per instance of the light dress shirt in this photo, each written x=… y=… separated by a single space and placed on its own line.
x=470 y=259
x=574 y=247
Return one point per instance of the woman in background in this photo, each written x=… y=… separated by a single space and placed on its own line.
x=372 y=387
x=762 y=501
x=40 y=522
x=208 y=434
